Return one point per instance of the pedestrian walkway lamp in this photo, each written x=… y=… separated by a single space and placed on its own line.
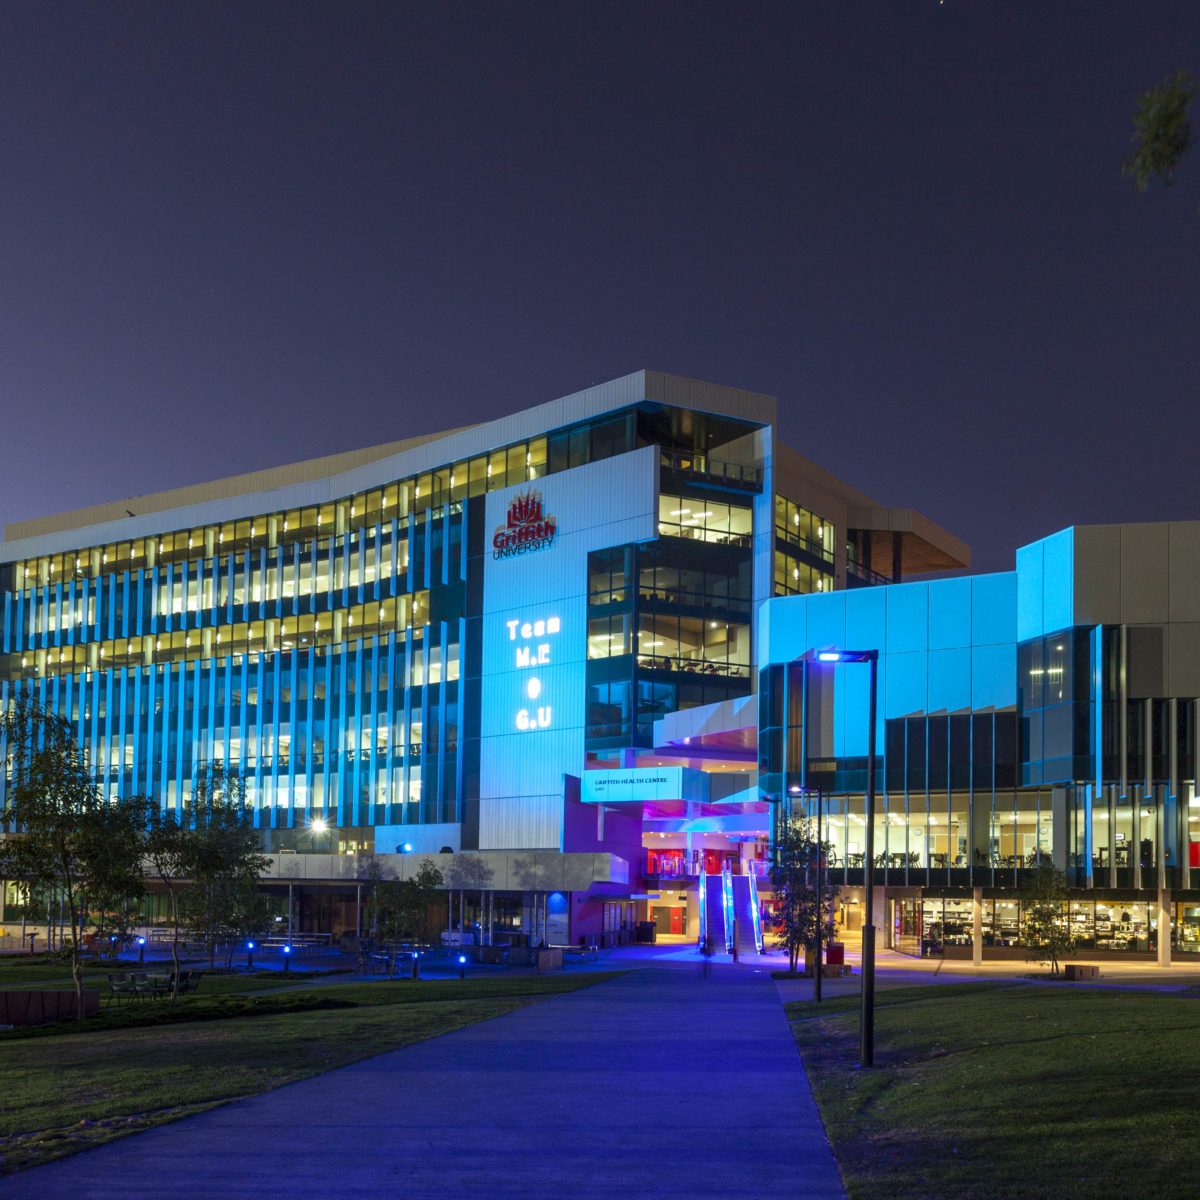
x=249 y=954
x=141 y=951
x=866 y=1054
x=287 y=958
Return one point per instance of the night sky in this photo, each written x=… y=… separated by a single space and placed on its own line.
x=234 y=235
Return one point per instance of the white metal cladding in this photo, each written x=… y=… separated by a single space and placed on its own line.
x=535 y=643
x=594 y=401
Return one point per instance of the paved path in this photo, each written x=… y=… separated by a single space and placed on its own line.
x=659 y=1083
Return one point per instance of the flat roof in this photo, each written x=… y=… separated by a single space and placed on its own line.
x=319 y=480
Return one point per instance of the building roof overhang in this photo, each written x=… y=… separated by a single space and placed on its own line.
x=924 y=545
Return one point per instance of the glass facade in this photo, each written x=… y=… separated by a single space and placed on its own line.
x=996 y=753
x=331 y=653
x=669 y=621
x=937 y=924
x=803 y=550
x=1056 y=711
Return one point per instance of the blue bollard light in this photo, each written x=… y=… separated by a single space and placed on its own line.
x=141 y=950
x=462 y=966
x=287 y=958
x=249 y=954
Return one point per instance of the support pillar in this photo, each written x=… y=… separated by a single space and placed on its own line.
x=879 y=918
x=977 y=927
x=1164 y=927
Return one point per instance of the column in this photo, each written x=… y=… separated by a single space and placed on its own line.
x=977 y=927
x=1164 y=927
x=883 y=930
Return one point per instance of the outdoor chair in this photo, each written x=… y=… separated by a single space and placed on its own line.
x=142 y=985
x=119 y=986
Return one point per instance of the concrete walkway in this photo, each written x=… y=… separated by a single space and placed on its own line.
x=659 y=1083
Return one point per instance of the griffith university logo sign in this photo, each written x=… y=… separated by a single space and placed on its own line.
x=526 y=529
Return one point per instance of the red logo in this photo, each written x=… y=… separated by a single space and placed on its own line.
x=527 y=528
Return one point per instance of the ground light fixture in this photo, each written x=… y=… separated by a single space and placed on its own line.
x=249 y=954
x=141 y=951
x=462 y=966
x=287 y=958
x=835 y=657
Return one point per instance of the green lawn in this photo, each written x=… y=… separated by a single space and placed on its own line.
x=67 y=1092
x=990 y=1092
x=57 y=976
x=18 y=970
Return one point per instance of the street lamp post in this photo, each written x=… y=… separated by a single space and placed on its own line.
x=820 y=912
x=866 y=1055
x=867 y=1038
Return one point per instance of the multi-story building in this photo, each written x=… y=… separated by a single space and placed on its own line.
x=483 y=641
x=1046 y=714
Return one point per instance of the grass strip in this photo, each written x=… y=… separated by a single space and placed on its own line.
x=1029 y=1092
x=192 y=1008
x=802 y=1010
x=224 y=998
x=212 y=984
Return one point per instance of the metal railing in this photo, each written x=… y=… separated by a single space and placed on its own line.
x=711 y=537
x=714 y=469
x=694 y=666
x=671 y=867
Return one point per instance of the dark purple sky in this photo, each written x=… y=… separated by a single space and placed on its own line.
x=236 y=235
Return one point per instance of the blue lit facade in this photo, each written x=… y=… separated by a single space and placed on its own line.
x=1044 y=714
x=432 y=642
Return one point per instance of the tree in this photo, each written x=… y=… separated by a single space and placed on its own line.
x=168 y=847
x=69 y=836
x=115 y=883
x=424 y=900
x=1045 y=932
x=1162 y=131
x=469 y=873
x=400 y=908
x=803 y=916
x=222 y=861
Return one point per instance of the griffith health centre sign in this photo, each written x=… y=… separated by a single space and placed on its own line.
x=640 y=783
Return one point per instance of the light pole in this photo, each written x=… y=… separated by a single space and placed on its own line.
x=820 y=913
x=866 y=1055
